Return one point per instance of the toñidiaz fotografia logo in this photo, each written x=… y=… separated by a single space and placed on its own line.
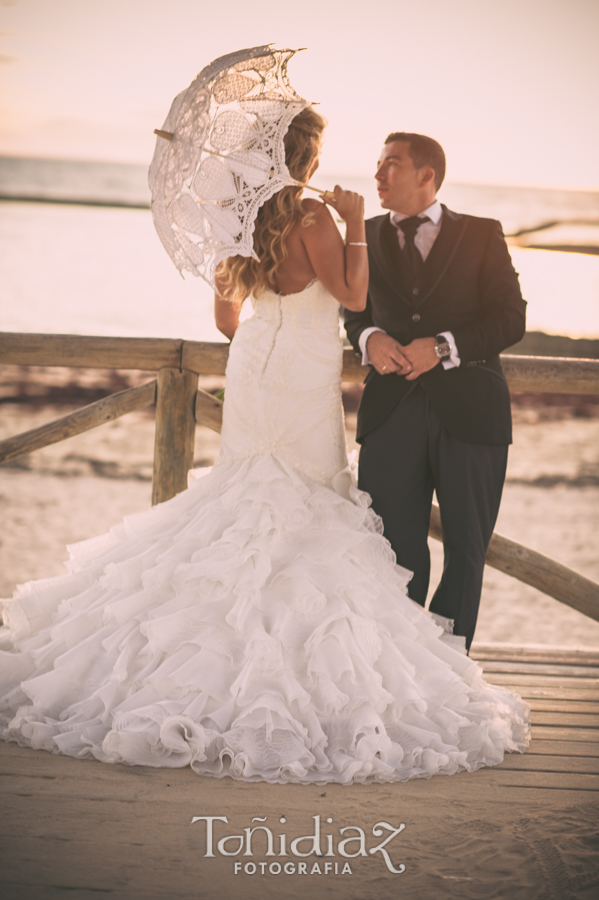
x=266 y=849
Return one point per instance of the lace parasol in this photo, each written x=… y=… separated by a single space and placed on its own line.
x=220 y=155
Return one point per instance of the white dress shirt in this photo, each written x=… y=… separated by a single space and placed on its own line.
x=424 y=240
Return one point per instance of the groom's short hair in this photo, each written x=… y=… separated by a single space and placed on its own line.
x=424 y=151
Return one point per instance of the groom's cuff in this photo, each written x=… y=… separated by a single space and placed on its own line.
x=363 y=340
x=454 y=359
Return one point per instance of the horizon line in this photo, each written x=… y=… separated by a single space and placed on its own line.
x=322 y=173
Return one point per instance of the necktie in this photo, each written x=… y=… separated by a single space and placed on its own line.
x=411 y=253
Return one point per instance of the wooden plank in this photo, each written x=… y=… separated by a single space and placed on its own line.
x=584 y=701
x=585 y=765
x=569 y=695
x=175 y=432
x=554 y=704
x=544 y=653
x=564 y=719
x=84 y=419
x=204 y=358
x=563 y=748
x=208 y=411
x=557 y=733
x=556 y=780
x=89 y=351
x=546 y=681
x=58 y=771
x=552 y=374
x=524 y=668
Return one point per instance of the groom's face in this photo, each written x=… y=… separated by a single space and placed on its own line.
x=397 y=180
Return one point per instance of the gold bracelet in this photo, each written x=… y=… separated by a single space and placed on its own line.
x=356 y=244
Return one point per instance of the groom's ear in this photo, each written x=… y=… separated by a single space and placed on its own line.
x=426 y=175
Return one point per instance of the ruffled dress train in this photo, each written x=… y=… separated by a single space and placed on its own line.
x=256 y=625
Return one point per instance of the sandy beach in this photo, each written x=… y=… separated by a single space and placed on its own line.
x=79 y=488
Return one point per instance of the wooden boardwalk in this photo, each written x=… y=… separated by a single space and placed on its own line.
x=526 y=829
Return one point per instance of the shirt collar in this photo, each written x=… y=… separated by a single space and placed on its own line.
x=434 y=212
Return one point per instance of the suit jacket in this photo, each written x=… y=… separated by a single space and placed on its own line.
x=468 y=286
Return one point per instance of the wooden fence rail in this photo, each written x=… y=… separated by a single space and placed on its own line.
x=533 y=568
x=104 y=410
x=179 y=405
x=523 y=373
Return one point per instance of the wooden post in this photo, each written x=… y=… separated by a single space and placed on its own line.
x=175 y=432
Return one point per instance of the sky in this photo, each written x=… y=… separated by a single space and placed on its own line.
x=509 y=87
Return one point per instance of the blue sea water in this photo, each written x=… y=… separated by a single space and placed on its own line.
x=100 y=269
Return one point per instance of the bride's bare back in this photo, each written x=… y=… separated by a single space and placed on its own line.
x=317 y=251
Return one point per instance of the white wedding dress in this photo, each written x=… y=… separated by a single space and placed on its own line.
x=256 y=625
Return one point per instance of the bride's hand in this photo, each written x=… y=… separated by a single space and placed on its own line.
x=342 y=267
x=347 y=204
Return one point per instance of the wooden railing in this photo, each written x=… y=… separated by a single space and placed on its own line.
x=180 y=405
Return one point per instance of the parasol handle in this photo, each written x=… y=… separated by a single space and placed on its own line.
x=311 y=187
x=167 y=135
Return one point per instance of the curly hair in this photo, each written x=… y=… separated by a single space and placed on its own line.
x=240 y=276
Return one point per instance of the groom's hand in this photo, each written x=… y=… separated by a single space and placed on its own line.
x=386 y=354
x=421 y=356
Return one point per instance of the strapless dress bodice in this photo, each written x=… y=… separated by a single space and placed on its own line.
x=283 y=384
x=311 y=307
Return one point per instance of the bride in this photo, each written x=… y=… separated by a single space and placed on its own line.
x=257 y=625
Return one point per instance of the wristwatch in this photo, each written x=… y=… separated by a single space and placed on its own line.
x=443 y=348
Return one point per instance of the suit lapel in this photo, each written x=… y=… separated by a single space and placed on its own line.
x=443 y=251
x=385 y=251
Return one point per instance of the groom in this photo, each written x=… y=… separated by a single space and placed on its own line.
x=443 y=302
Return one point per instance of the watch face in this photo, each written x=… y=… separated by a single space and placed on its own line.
x=443 y=350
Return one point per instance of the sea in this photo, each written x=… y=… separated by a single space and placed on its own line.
x=79 y=254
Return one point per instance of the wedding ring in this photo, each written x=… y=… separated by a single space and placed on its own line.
x=383 y=368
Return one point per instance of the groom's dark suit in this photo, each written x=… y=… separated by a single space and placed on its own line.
x=449 y=429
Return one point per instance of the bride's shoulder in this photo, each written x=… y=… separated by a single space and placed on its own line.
x=316 y=215
x=317 y=229
x=311 y=221
x=314 y=206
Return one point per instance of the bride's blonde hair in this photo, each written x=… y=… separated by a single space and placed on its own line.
x=240 y=276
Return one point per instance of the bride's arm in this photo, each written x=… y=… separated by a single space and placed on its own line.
x=342 y=268
x=226 y=315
